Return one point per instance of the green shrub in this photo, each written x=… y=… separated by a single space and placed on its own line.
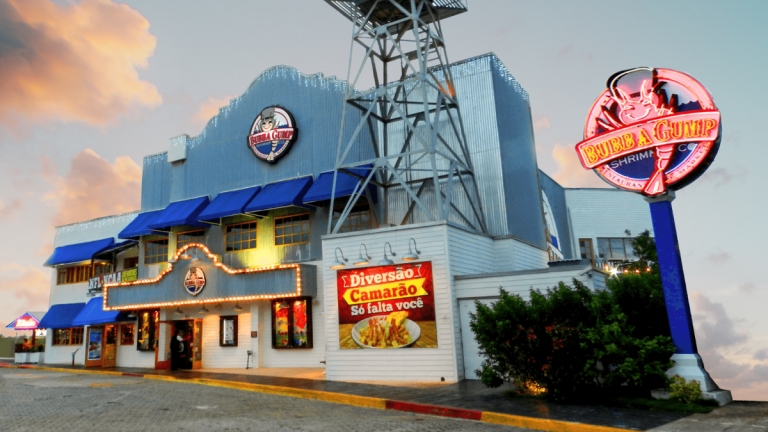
x=687 y=392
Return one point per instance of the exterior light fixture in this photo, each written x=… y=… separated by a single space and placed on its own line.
x=338 y=263
x=178 y=312
x=195 y=258
x=185 y=256
x=131 y=315
x=411 y=256
x=387 y=261
x=203 y=310
x=237 y=308
x=363 y=259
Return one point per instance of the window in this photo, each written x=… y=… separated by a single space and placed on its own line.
x=241 y=236
x=185 y=238
x=359 y=219
x=74 y=274
x=129 y=263
x=615 y=249
x=292 y=323
x=292 y=229
x=126 y=334
x=228 y=330
x=68 y=336
x=585 y=249
x=147 y=322
x=156 y=251
x=101 y=268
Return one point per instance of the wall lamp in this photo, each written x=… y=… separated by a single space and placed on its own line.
x=237 y=308
x=387 y=261
x=363 y=259
x=411 y=256
x=203 y=310
x=178 y=311
x=338 y=263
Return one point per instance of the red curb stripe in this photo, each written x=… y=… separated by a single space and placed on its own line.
x=435 y=410
x=131 y=374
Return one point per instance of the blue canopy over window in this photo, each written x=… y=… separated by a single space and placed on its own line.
x=139 y=226
x=60 y=316
x=345 y=184
x=78 y=252
x=180 y=213
x=228 y=204
x=281 y=194
x=93 y=314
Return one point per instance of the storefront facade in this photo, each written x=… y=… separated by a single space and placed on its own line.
x=231 y=245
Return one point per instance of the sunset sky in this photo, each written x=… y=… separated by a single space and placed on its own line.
x=87 y=88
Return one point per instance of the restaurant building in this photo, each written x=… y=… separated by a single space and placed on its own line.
x=231 y=246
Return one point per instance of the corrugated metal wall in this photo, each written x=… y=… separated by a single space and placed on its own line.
x=556 y=195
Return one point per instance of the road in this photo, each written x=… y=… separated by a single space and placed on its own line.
x=36 y=400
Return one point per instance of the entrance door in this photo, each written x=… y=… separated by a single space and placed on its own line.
x=110 y=346
x=472 y=359
x=197 y=344
x=93 y=347
x=163 y=348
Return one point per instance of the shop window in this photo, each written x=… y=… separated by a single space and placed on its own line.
x=68 y=336
x=156 y=251
x=228 y=331
x=147 y=322
x=292 y=323
x=292 y=229
x=241 y=236
x=129 y=263
x=126 y=334
x=73 y=274
x=185 y=238
x=359 y=219
x=615 y=249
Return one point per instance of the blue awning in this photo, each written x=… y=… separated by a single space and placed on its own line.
x=93 y=314
x=180 y=213
x=281 y=194
x=228 y=204
x=139 y=226
x=78 y=252
x=118 y=247
x=61 y=315
x=345 y=184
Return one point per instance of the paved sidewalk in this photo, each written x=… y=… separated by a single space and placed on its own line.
x=467 y=399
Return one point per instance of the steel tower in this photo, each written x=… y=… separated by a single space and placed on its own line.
x=421 y=162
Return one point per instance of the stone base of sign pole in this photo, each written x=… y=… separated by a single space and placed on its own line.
x=690 y=367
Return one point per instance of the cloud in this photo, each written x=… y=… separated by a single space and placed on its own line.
x=718 y=258
x=94 y=188
x=565 y=50
x=72 y=62
x=22 y=288
x=570 y=173
x=747 y=288
x=8 y=211
x=761 y=354
x=716 y=329
x=720 y=176
x=209 y=108
x=541 y=123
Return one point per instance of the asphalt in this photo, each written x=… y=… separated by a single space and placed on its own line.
x=470 y=400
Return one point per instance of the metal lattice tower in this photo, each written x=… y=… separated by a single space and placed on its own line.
x=422 y=165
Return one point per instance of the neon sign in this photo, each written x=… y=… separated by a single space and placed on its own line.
x=25 y=322
x=651 y=130
x=272 y=134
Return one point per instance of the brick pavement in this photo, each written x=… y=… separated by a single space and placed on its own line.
x=39 y=400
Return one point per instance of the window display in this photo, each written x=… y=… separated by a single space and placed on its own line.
x=292 y=323
x=126 y=334
x=228 y=330
x=146 y=331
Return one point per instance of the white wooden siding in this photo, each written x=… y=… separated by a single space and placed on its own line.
x=62 y=354
x=488 y=287
x=68 y=293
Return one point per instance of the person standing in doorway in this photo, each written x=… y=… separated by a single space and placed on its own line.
x=177 y=347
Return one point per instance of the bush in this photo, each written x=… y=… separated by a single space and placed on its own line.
x=686 y=392
x=574 y=341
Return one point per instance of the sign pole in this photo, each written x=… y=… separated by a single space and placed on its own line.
x=688 y=363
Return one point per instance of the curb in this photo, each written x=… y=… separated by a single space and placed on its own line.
x=361 y=401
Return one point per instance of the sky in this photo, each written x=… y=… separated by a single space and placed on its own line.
x=88 y=88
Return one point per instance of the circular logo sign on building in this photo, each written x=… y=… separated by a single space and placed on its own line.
x=272 y=134
x=651 y=130
x=194 y=281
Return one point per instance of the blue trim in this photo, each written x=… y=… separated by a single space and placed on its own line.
x=281 y=194
x=345 y=184
x=139 y=226
x=672 y=278
x=78 y=252
x=228 y=204
x=180 y=213
x=93 y=314
x=60 y=316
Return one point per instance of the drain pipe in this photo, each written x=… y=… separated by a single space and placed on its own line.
x=73 y=356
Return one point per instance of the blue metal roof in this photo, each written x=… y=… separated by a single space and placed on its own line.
x=228 y=204
x=281 y=194
x=61 y=316
x=93 y=314
x=78 y=252
x=180 y=213
x=139 y=226
x=345 y=184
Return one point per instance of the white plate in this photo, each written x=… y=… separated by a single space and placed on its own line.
x=411 y=326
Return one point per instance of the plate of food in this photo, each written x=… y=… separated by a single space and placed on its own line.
x=386 y=331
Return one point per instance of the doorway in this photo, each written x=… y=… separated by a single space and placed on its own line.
x=190 y=353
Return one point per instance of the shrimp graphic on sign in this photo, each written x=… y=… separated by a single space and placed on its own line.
x=194 y=281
